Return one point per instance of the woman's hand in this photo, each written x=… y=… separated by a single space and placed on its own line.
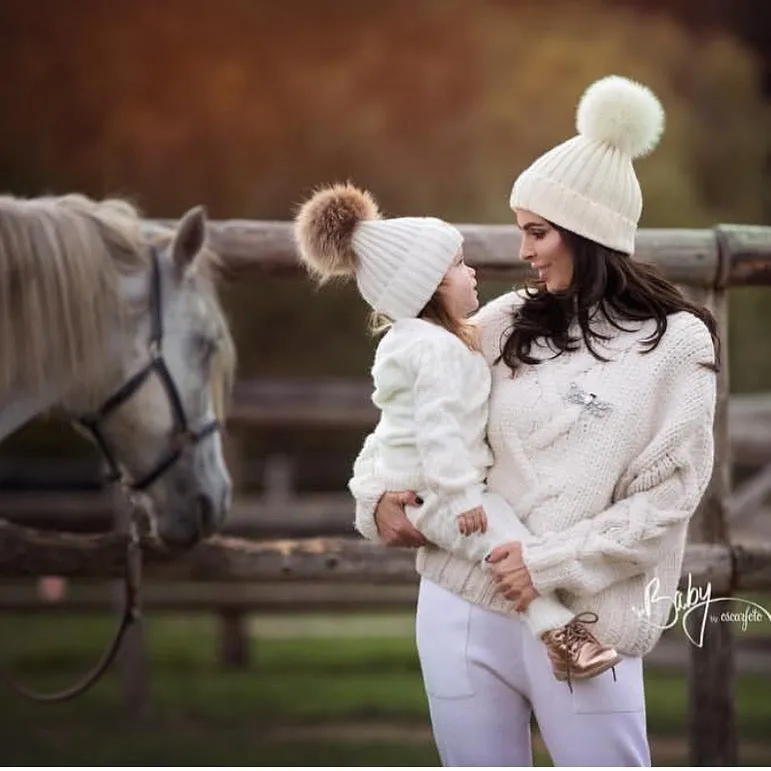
x=511 y=575
x=392 y=524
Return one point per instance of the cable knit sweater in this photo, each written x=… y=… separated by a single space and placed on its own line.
x=604 y=462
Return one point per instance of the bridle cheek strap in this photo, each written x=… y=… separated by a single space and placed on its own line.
x=182 y=436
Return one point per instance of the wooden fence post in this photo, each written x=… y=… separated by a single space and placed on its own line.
x=712 y=734
x=278 y=491
x=233 y=635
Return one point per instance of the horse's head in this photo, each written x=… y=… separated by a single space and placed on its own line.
x=117 y=323
x=158 y=425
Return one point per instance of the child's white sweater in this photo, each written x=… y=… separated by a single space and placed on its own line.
x=433 y=394
x=604 y=462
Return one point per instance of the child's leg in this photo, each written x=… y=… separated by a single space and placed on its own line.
x=545 y=612
x=441 y=528
x=503 y=526
x=587 y=657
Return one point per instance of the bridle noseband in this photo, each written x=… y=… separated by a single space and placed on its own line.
x=182 y=436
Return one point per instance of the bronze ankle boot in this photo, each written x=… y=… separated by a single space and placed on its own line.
x=576 y=654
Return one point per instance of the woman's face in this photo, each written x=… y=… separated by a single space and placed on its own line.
x=545 y=250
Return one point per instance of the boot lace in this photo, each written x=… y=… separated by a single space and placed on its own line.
x=574 y=635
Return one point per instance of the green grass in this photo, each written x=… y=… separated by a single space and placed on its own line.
x=306 y=700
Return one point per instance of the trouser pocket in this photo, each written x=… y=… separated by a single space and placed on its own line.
x=602 y=695
x=442 y=630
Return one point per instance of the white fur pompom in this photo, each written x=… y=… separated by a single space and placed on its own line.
x=623 y=113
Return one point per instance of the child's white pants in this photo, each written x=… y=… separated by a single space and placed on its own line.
x=503 y=526
x=484 y=674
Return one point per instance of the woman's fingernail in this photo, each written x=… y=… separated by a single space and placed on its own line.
x=418 y=500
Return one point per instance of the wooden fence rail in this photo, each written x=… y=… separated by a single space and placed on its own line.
x=729 y=255
x=251 y=516
x=26 y=552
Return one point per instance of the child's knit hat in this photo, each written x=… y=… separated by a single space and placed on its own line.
x=398 y=263
x=588 y=184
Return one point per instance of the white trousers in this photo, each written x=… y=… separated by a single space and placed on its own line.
x=432 y=519
x=485 y=675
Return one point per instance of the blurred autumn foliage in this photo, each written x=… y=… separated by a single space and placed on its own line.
x=434 y=104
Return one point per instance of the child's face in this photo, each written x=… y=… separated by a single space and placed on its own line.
x=459 y=289
x=543 y=247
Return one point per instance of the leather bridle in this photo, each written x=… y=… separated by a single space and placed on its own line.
x=182 y=436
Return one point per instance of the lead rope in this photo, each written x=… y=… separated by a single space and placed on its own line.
x=132 y=579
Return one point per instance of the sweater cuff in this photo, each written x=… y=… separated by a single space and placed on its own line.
x=549 y=564
x=365 y=516
x=460 y=502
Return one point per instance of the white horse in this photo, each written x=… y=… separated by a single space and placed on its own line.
x=118 y=328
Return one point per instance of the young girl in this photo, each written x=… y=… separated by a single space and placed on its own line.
x=432 y=386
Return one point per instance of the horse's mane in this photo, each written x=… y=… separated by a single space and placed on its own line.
x=61 y=260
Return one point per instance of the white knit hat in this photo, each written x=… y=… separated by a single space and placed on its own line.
x=588 y=184
x=398 y=263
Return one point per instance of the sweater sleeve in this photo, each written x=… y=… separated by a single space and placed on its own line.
x=366 y=489
x=439 y=410
x=660 y=492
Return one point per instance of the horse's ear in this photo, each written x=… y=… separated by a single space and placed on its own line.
x=189 y=238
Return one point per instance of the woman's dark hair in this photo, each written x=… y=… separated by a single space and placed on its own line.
x=606 y=284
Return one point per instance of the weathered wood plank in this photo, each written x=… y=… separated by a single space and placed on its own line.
x=26 y=552
x=713 y=738
x=234 y=650
x=265 y=247
x=753 y=570
x=319 y=402
x=748 y=498
x=251 y=515
x=687 y=256
x=184 y=597
x=747 y=250
x=749 y=428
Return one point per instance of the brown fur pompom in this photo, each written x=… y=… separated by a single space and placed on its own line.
x=324 y=227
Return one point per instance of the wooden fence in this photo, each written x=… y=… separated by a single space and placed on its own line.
x=705 y=262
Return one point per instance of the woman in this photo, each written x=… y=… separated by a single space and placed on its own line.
x=601 y=412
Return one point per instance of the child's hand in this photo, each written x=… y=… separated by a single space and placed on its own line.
x=472 y=521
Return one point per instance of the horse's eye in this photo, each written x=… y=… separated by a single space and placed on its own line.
x=206 y=348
